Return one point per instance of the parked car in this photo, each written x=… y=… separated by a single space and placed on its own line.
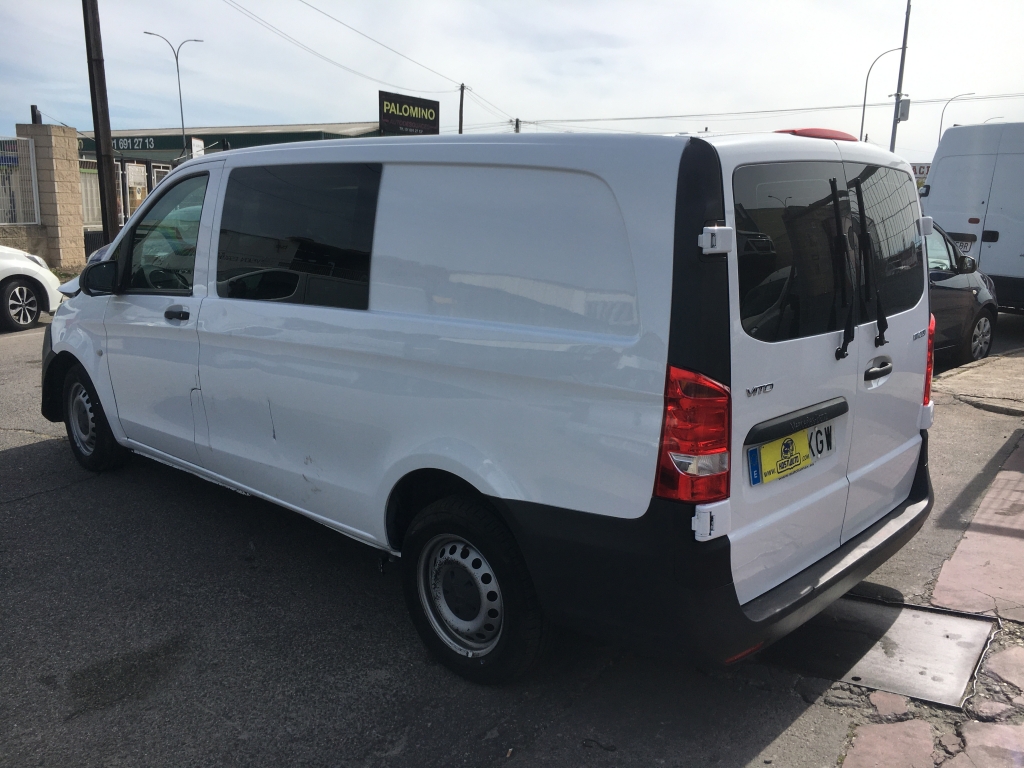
x=624 y=384
x=963 y=300
x=27 y=287
x=975 y=191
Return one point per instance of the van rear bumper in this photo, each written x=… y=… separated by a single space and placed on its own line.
x=647 y=582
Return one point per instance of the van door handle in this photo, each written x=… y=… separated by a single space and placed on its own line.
x=175 y=313
x=878 y=372
x=990 y=236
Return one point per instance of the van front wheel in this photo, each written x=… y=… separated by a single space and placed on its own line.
x=469 y=593
x=91 y=440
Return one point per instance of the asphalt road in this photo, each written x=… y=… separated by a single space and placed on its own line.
x=150 y=618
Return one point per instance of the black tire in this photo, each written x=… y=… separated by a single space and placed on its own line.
x=20 y=305
x=469 y=593
x=977 y=342
x=91 y=440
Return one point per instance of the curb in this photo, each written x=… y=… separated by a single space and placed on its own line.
x=993 y=407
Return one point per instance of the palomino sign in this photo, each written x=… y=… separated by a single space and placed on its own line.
x=408 y=116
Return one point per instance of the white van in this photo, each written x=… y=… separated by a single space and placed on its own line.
x=646 y=386
x=975 y=190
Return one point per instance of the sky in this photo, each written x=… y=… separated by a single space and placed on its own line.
x=543 y=62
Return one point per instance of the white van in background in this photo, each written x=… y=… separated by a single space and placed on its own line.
x=975 y=191
x=662 y=388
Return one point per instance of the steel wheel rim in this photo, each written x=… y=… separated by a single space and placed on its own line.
x=82 y=419
x=22 y=305
x=981 y=339
x=460 y=595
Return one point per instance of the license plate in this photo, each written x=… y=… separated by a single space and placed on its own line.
x=964 y=246
x=790 y=454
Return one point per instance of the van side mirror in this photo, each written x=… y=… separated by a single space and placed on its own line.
x=969 y=265
x=923 y=192
x=927 y=225
x=99 y=278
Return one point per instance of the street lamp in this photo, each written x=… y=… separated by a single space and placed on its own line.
x=864 y=108
x=943 y=115
x=181 y=108
x=999 y=117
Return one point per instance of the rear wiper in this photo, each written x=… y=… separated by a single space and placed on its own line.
x=840 y=248
x=881 y=320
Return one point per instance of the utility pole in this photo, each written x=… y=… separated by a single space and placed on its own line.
x=517 y=125
x=462 y=96
x=899 y=83
x=100 y=120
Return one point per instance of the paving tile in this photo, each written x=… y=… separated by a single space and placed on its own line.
x=992 y=710
x=986 y=572
x=889 y=704
x=1008 y=666
x=990 y=745
x=899 y=745
x=951 y=742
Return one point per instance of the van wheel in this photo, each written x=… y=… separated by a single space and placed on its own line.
x=91 y=440
x=19 y=305
x=469 y=593
x=978 y=341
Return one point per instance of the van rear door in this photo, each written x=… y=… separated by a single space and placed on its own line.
x=890 y=374
x=1002 y=240
x=791 y=395
x=958 y=187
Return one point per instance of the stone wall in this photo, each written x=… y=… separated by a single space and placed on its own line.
x=25 y=237
x=60 y=193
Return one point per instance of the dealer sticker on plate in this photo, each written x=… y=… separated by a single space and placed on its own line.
x=790 y=454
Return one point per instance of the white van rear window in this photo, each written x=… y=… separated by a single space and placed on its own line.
x=506 y=245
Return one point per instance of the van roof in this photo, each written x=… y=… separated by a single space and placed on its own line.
x=981 y=139
x=758 y=146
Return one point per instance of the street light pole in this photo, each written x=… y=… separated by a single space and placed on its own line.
x=864 y=107
x=181 y=107
x=997 y=117
x=943 y=115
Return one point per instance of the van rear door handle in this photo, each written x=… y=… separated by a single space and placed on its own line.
x=878 y=372
x=990 y=236
x=176 y=313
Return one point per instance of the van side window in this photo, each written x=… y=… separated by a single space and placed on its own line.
x=299 y=233
x=890 y=200
x=794 y=279
x=162 y=257
x=518 y=246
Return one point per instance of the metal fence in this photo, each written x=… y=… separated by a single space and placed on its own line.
x=19 y=193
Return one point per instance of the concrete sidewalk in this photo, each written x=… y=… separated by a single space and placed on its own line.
x=985 y=575
x=993 y=384
x=986 y=572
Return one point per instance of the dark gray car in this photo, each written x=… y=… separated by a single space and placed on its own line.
x=963 y=300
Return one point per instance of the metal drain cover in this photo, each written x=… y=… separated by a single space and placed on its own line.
x=912 y=651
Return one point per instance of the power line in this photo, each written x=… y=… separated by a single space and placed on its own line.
x=760 y=112
x=484 y=106
x=407 y=58
x=506 y=114
x=378 y=42
x=284 y=35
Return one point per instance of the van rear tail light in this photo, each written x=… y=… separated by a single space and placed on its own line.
x=930 y=366
x=693 y=464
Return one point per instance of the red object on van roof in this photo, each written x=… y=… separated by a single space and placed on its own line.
x=820 y=133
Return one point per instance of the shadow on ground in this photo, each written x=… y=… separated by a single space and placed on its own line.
x=153 y=618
